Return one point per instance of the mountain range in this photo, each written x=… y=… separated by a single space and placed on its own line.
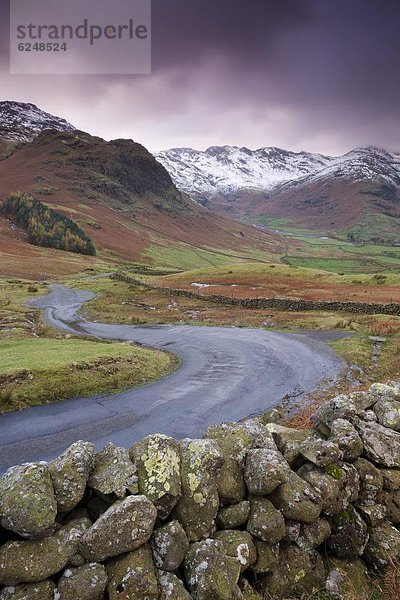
x=356 y=195
x=183 y=208
x=118 y=193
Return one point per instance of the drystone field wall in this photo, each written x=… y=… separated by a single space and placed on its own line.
x=253 y=510
x=285 y=304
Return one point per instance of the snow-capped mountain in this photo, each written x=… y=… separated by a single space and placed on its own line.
x=22 y=122
x=363 y=164
x=226 y=170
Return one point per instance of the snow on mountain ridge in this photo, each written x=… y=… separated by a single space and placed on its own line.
x=22 y=122
x=223 y=169
x=227 y=169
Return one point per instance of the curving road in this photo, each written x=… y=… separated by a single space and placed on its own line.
x=226 y=374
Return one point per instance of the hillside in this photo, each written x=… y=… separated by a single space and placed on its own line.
x=126 y=203
x=355 y=196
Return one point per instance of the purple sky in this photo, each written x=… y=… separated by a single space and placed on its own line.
x=318 y=75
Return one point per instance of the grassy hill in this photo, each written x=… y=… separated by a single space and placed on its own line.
x=125 y=201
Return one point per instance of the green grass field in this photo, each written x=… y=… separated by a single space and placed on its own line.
x=39 y=365
x=46 y=354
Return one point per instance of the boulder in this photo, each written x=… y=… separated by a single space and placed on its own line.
x=391 y=479
x=69 y=474
x=289 y=442
x=345 y=435
x=337 y=484
x=28 y=505
x=383 y=545
x=133 y=576
x=169 y=544
x=326 y=485
x=267 y=557
x=36 y=560
x=258 y=430
x=239 y=545
x=297 y=500
x=391 y=502
x=388 y=413
x=372 y=514
x=265 y=469
x=44 y=590
x=363 y=401
x=125 y=526
x=114 y=473
x=234 y=515
x=299 y=572
x=371 y=481
x=320 y=452
x=347 y=579
x=233 y=440
x=157 y=458
x=381 y=445
x=209 y=573
x=171 y=588
x=391 y=389
x=198 y=505
x=340 y=407
x=314 y=534
x=368 y=415
x=349 y=534
x=88 y=582
x=265 y=521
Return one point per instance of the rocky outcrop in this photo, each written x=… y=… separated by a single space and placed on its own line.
x=253 y=510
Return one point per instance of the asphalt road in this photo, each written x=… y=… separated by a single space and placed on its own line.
x=226 y=374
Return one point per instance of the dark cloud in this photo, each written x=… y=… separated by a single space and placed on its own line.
x=315 y=74
x=191 y=31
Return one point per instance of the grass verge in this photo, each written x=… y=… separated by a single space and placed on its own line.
x=38 y=365
x=32 y=387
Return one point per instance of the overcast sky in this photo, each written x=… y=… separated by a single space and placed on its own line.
x=317 y=75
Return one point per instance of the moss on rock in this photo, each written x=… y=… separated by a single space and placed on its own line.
x=169 y=544
x=28 y=505
x=234 y=515
x=157 y=459
x=44 y=590
x=37 y=560
x=133 y=576
x=114 y=473
x=209 y=573
x=239 y=545
x=69 y=474
x=88 y=582
x=198 y=506
x=265 y=521
x=125 y=526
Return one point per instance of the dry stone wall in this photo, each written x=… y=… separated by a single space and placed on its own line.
x=285 y=304
x=252 y=510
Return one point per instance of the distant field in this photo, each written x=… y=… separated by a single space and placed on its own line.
x=313 y=249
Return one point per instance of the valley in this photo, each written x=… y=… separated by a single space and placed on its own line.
x=354 y=197
x=200 y=300
x=142 y=223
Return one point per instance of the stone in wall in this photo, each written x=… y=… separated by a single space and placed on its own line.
x=253 y=510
